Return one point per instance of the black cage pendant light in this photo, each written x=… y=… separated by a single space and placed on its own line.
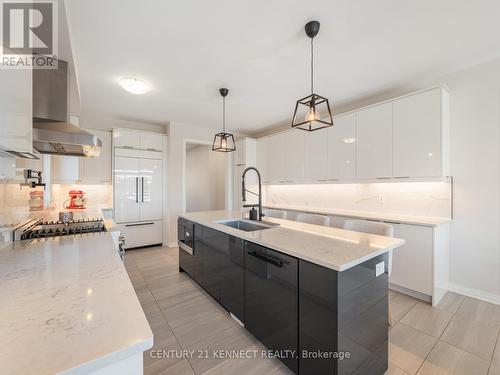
x=224 y=142
x=308 y=110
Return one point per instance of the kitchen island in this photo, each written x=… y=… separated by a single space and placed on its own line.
x=67 y=306
x=317 y=296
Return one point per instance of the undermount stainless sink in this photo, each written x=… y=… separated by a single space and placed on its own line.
x=245 y=225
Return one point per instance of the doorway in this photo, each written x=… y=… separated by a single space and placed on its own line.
x=205 y=178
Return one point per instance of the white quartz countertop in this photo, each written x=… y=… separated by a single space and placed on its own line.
x=403 y=219
x=67 y=306
x=337 y=249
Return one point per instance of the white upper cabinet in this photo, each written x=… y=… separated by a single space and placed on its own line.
x=316 y=156
x=374 y=142
x=81 y=170
x=245 y=153
x=420 y=130
x=293 y=155
x=127 y=138
x=406 y=137
x=342 y=148
x=98 y=170
x=16 y=110
x=262 y=159
x=151 y=141
x=275 y=158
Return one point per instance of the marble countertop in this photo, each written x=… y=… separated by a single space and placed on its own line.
x=67 y=305
x=403 y=219
x=334 y=248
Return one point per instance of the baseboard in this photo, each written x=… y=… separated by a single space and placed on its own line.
x=474 y=293
x=411 y=293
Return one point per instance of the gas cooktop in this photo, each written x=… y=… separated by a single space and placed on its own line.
x=38 y=228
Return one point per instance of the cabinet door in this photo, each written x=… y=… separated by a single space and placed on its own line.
x=374 y=142
x=316 y=156
x=412 y=262
x=293 y=155
x=98 y=170
x=151 y=189
x=151 y=141
x=67 y=169
x=239 y=154
x=342 y=148
x=126 y=138
x=126 y=191
x=262 y=159
x=214 y=243
x=271 y=295
x=275 y=158
x=15 y=110
x=417 y=135
x=232 y=293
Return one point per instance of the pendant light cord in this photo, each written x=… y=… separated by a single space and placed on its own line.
x=224 y=114
x=312 y=66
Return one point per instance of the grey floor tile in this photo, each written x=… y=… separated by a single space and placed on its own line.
x=165 y=367
x=394 y=370
x=205 y=326
x=480 y=311
x=451 y=302
x=472 y=336
x=247 y=366
x=399 y=305
x=409 y=347
x=220 y=346
x=446 y=359
x=494 y=369
x=427 y=319
x=163 y=343
x=496 y=354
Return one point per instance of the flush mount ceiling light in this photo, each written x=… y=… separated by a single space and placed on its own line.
x=307 y=115
x=134 y=85
x=223 y=142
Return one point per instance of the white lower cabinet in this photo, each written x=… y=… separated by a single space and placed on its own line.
x=412 y=262
x=421 y=265
x=142 y=233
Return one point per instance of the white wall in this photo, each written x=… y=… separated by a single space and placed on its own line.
x=205 y=179
x=178 y=135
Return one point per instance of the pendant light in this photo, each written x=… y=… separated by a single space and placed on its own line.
x=223 y=142
x=307 y=115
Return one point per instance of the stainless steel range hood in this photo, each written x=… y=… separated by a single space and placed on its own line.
x=62 y=138
x=52 y=133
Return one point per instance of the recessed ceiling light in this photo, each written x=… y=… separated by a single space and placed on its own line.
x=349 y=140
x=134 y=85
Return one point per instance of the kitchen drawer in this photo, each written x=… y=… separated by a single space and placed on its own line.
x=142 y=234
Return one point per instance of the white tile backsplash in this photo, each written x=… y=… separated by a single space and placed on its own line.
x=406 y=198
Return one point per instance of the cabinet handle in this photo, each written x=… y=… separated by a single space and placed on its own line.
x=142 y=189
x=333 y=179
x=275 y=262
x=138 y=224
x=382 y=178
x=322 y=180
x=137 y=190
x=402 y=177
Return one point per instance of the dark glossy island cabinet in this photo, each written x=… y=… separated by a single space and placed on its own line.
x=310 y=314
x=271 y=280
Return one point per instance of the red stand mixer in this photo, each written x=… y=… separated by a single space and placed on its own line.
x=77 y=200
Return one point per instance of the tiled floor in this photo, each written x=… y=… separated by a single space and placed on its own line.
x=460 y=336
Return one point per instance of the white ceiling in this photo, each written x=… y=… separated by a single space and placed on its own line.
x=257 y=48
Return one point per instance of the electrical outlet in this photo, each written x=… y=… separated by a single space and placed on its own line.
x=379 y=269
